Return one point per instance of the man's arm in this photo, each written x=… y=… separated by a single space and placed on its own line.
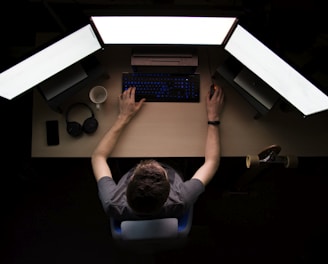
x=214 y=107
x=128 y=108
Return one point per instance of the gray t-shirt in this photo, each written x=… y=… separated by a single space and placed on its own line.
x=183 y=194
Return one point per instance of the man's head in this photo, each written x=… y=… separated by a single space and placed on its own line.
x=148 y=188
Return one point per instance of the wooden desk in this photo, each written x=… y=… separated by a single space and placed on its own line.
x=179 y=129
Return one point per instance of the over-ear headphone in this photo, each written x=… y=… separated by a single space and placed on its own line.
x=89 y=125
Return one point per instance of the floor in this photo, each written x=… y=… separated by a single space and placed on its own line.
x=51 y=212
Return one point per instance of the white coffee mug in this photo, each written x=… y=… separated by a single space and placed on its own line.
x=98 y=95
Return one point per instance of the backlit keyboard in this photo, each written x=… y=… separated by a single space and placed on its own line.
x=163 y=87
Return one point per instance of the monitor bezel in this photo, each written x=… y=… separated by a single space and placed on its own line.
x=292 y=65
x=98 y=33
x=40 y=48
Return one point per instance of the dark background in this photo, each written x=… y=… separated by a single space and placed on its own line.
x=50 y=207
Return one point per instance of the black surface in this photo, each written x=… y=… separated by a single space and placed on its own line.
x=51 y=212
x=52 y=215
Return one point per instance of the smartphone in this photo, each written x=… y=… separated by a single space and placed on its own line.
x=52 y=132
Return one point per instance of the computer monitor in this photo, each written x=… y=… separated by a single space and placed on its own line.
x=276 y=72
x=163 y=30
x=48 y=61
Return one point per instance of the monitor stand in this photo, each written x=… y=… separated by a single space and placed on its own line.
x=57 y=89
x=258 y=93
x=61 y=82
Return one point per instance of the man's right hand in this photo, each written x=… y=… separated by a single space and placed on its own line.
x=128 y=106
x=214 y=104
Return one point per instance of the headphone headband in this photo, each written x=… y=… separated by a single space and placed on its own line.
x=76 y=105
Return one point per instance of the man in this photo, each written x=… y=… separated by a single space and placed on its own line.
x=153 y=189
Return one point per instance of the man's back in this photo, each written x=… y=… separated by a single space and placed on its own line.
x=181 y=197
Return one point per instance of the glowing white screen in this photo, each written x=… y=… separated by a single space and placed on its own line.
x=48 y=62
x=276 y=72
x=163 y=30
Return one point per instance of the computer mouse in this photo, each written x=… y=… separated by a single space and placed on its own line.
x=212 y=89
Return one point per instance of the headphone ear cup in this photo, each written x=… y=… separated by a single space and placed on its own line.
x=74 y=129
x=90 y=125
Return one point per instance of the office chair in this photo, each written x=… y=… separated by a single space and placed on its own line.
x=151 y=236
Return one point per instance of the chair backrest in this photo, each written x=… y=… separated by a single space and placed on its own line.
x=152 y=229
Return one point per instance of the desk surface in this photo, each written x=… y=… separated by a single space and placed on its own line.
x=178 y=129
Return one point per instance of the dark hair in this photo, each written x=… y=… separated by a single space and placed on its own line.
x=148 y=188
